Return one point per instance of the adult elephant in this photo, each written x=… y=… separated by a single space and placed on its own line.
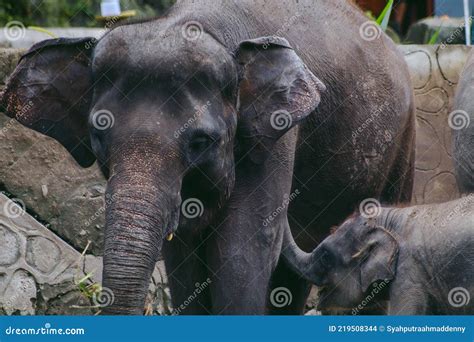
x=194 y=117
x=462 y=122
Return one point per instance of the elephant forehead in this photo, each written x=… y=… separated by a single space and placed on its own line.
x=160 y=50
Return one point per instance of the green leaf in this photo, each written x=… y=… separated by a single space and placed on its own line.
x=87 y=276
x=384 y=17
x=42 y=30
x=434 y=38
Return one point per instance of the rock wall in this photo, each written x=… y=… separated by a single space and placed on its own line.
x=52 y=267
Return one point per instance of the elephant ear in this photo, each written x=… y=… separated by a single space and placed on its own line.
x=380 y=258
x=276 y=92
x=50 y=91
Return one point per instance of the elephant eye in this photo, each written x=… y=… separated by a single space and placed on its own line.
x=200 y=143
x=326 y=259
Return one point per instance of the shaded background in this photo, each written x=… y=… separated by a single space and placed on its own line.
x=407 y=12
x=69 y=13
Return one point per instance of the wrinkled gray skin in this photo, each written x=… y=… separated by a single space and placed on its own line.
x=463 y=138
x=412 y=256
x=192 y=119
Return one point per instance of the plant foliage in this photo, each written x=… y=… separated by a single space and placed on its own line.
x=68 y=13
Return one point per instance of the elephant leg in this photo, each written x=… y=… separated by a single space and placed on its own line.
x=241 y=272
x=241 y=262
x=187 y=277
x=464 y=164
x=297 y=290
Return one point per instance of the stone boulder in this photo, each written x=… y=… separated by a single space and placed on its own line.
x=8 y=61
x=40 y=172
x=450 y=31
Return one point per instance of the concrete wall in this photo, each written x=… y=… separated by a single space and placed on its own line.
x=435 y=74
x=41 y=274
x=17 y=36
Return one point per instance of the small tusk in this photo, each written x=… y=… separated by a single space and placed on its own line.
x=170 y=237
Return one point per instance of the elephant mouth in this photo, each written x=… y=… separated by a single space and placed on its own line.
x=172 y=227
x=324 y=297
x=327 y=301
x=323 y=289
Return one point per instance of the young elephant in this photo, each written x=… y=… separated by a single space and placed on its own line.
x=421 y=256
x=461 y=120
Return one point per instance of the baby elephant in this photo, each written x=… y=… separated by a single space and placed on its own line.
x=420 y=258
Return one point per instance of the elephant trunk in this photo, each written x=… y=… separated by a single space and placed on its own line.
x=298 y=260
x=137 y=219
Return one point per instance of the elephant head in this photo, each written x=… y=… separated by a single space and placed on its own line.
x=167 y=118
x=347 y=263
